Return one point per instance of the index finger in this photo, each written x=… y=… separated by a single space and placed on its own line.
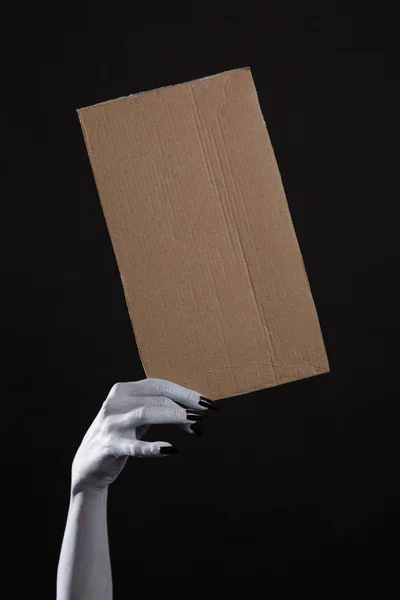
x=177 y=393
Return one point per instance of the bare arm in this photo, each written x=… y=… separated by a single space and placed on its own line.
x=84 y=569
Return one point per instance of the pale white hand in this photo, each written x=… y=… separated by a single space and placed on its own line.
x=126 y=414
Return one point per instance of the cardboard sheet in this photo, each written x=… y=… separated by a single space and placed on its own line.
x=212 y=273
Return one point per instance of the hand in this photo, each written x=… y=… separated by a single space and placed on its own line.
x=126 y=414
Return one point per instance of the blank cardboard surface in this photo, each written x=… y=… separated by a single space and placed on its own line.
x=212 y=272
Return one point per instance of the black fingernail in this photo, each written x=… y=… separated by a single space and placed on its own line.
x=194 y=417
x=168 y=450
x=207 y=403
x=196 y=429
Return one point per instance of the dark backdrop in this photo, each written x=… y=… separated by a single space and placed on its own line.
x=295 y=485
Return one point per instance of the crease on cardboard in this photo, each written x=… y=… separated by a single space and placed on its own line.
x=264 y=323
x=196 y=118
x=255 y=362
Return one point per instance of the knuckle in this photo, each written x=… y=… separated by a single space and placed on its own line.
x=141 y=413
x=178 y=413
x=163 y=402
x=107 y=426
x=166 y=387
x=162 y=386
x=153 y=450
x=111 y=446
x=106 y=408
x=117 y=388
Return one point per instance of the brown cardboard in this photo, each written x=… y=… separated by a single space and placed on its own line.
x=212 y=272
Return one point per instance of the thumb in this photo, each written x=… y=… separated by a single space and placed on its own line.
x=152 y=449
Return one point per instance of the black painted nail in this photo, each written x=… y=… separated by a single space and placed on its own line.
x=196 y=429
x=207 y=403
x=168 y=450
x=194 y=417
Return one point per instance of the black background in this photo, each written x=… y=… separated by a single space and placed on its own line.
x=295 y=485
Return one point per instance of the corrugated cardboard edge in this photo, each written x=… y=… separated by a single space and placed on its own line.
x=163 y=87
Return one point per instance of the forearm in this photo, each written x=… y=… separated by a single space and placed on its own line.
x=84 y=569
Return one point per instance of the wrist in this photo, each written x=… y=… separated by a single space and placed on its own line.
x=87 y=494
